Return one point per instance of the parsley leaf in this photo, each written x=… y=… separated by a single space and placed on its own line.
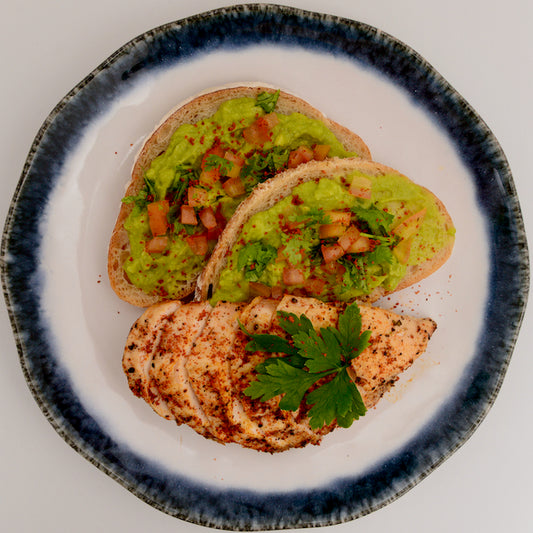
x=254 y=258
x=312 y=356
x=267 y=101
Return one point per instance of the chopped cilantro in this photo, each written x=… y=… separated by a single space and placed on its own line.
x=267 y=101
x=254 y=258
x=378 y=221
x=261 y=167
x=213 y=161
x=312 y=356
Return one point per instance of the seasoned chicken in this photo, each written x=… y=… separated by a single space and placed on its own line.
x=190 y=363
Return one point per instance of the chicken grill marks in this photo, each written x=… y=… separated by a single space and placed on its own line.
x=189 y=363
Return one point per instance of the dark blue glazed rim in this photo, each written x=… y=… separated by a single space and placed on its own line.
x=234 y=28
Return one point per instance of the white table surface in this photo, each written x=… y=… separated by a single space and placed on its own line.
x=484 y=49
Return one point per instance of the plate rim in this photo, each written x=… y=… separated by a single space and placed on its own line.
x=260 y=521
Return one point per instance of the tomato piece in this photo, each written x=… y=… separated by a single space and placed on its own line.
x=362 y=244
x=339 y=217
x=349 y=237
x=216 y=149
x=208 y=218
x=209 y=177
x=321 y=151
x=188 y=215
x=332 y=252
x=314 y=285
x=327 y=231
x=402 y=250
x=157 y=217
x=196 y=196
x=198 y=243
x=293 y=276
x=361 y=187
x=221 y=219
x=302 y=154
x=409 y=226
x=157 y=244
x=260 y=132
x=214 y=233
x=234 y=187
x=277 y=292
x=237 y=162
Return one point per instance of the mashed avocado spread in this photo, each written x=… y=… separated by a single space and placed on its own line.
x=209 y=167
x=335 y=239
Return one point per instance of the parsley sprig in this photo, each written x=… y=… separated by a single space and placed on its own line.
x=310 y=357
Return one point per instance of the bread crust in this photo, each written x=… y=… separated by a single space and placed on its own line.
x=194 y=110
x=267 y=194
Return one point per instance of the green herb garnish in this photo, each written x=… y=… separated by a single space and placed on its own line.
x=254 y=258
x=213 y=161
x=267 y=101
x=312 y=356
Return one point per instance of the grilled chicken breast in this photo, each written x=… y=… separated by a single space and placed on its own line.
x=190 y=364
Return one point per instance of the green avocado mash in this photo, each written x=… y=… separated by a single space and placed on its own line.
x=296 y=229
x=161 y=265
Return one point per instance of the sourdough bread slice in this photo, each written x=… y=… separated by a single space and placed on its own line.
x=267 y=194
x=194 y=110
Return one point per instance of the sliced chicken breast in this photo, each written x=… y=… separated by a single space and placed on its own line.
x=190 y=363
x=169 y=366
x=142 y=344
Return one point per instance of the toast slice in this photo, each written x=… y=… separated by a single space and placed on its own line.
x=192 y=112
x=410 y=223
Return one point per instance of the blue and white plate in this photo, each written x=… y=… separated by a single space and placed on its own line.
x=70 y=327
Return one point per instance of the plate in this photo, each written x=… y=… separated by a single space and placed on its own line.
x=70 y=328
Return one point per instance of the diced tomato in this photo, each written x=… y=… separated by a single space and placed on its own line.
x=188 y=216
x=277 y=292
x=260 y=131
x=157 y=217
x=209 y=177
x=221 y=219
x=328 y=231
x=212 y=175
x=321 y=151
x=302 y=154
x=333 y=268
x=237 y=164
x=216 y=149
x=402 y=250
x=409 y=226
x=361 y=187
x=362 y=244
x=260 y=289
x=196 y=196
x=349 y=237
x=332 y=252
x=314 y=285
x=208 y=218
x=293 y=276
x=234 y=187
x=214 y=233
x=157 y=244
x=198 y=243
x=339 y=217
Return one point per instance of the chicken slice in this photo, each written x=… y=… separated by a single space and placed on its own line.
x=272 y=428
x=395 y=342
x=208 y=368
x=169 y=372
x=142 y=344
